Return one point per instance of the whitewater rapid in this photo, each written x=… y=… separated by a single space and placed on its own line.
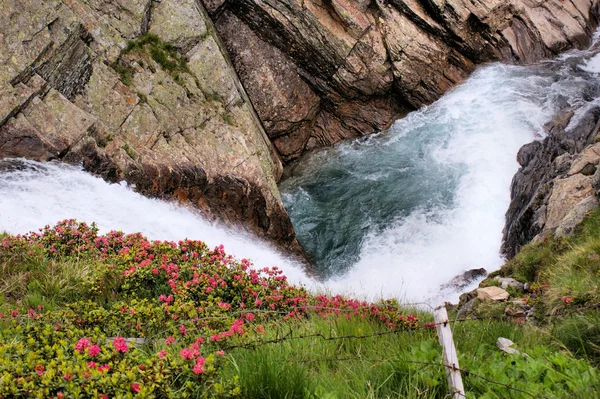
x=395 y=215
x=404 y=212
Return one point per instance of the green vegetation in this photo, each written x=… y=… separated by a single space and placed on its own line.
x=129 y=151
x=150 y=45
x=89 y=315
x=566 y=278
x=227 y=118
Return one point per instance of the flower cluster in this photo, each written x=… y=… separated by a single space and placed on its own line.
x=182 y=301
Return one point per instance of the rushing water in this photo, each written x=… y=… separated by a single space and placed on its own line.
x=405 y=211
x=397 y=214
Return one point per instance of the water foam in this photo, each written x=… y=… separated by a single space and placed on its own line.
x=463 y=146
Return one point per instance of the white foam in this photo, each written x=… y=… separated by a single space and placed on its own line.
x=592 y=65
x=496 y=111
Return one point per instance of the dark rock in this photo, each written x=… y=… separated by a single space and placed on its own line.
x=463 y=280
x=546 y=188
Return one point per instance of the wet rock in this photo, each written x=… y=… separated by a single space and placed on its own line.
x=495 y=294
x=463 y=280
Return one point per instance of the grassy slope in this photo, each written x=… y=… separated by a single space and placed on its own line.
x=386 y=358
x=566 y=276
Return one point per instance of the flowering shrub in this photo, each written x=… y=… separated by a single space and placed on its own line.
x=147 y=318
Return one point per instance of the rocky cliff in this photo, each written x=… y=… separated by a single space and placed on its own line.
x=319 y=71
x=559 y=179
x=138 y=90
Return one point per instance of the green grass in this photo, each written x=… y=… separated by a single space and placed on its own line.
x=406 y=364
x=46 y=282
x=379 y=366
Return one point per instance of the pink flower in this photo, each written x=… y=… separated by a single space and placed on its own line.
x=567 y=299
x=162 y=354
x=82 y=345
x=249 y=317
x=199 y=367
x=186 y=354
x=135 y=387
x=94 y=350
x=39 y=369
x=182 y=329
x=103 y=368
x=120 y=345
x=258 y=302
x=170 y=340
x=260 y=329
x=91 y=365
x=220 y=353
x=224 y=305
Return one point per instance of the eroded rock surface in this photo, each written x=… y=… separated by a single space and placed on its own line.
x=319 y=71
x=142 y=91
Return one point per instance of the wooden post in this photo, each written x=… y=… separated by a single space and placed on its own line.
x=444 y=333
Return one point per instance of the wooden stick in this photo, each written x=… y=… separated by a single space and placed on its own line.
x=449 y=353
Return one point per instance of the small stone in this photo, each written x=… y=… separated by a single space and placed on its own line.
x=496 y=294
x=504 y=344
x=515 y=312
x=510 y=282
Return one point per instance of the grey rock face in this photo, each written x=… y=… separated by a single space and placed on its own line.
x=555 y=187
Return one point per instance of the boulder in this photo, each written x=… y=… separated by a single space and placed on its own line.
x=495 y=294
